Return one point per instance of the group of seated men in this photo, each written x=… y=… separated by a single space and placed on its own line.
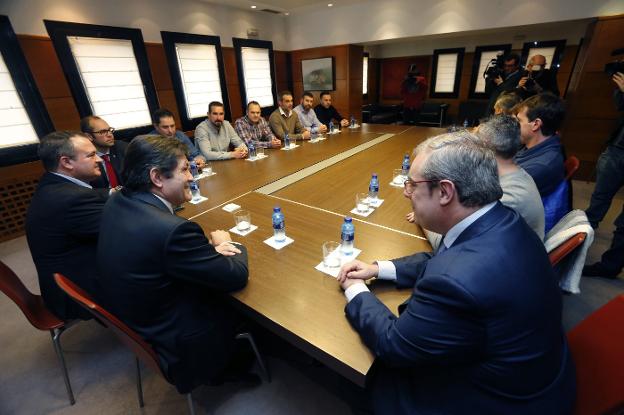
x=481 y=330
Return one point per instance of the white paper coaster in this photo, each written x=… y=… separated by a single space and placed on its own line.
x=365 y=214
x=397 y=181
x=375 y=202
x=278 y=245
x=257 y=158
x=333 y=271
x=290 y=148
x=336 y=131
x=244 y=233
x=198 y=201
x=353 y=127
x=231 y=207
x=205 y=174
x=317 y=139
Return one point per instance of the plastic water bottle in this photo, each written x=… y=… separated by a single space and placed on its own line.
x=331 y=127
x=406 y=165
x=466 y=123
x=252 y=150
x=279 y=228
x=352 y=121
x=196 y=195
x=194 y=169
x=286 y=141
x=373 y=188
x=347 y=235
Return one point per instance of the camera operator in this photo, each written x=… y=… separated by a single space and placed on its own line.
x=537 y=79
x=502 y=78
x=609 y=179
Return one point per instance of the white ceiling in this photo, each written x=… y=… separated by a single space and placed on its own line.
x=284 y=6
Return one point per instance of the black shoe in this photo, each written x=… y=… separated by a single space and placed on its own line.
x=599 y=270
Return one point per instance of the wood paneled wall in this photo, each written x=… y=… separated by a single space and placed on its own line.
x=347 y=96
x=591 y=113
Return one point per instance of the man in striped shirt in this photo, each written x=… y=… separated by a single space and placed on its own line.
x=254 y=129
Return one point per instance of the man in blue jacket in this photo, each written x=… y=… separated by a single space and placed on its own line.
x=481 y=332
x=164 y=124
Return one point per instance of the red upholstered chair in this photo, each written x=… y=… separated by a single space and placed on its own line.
x=37 y=314
x=571 y=166
x=596 y=345
x=565 y=248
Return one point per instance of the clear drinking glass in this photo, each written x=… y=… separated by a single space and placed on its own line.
x=242 y=219
x=397 y=177
x=331 y=254
x=361 y=202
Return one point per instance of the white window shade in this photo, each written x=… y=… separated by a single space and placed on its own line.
x=548 y=53
x=257 y=75
x=365 y=75
x=110 y=75
x=199 y=70
x=446 y=71
x=486 y=57
x=15 y=126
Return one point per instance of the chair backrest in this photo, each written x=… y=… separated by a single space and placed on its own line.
x=129 y=337
x=596 y=345
x=31 y=305
x=560 y=252
x=571 y=166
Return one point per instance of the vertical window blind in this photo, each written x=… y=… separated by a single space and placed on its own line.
x=110 y=75
x=257 y=75
x=199 y=70
x=446 y=72
x=15 y=126
x=365 y=75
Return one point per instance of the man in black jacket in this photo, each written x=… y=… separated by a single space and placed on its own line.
x=508 y=82
x=537 y=79
x=63 y=219
x=160 y=274
x=111 y=151
x=326 y=112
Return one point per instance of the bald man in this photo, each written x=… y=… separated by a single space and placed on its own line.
x=537 y=79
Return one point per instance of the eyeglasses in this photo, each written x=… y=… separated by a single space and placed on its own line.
x=105 y=131
x=410 y=185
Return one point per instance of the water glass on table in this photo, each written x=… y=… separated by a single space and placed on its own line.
x=397 y=177
x=331 y=254
x=361 y=202
x=243 y=220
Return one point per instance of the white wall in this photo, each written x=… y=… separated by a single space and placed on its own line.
x=151 y=16
x=393 y=19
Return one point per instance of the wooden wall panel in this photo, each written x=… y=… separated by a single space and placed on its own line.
x=282 y=69
x=231 y=79
x=162 y=79
x=394 y=71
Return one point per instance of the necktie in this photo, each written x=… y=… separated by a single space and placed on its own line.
x=110 y=172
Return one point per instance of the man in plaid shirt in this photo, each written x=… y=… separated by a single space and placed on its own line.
x=253 y=128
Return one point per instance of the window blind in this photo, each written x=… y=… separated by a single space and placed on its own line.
x=257 y=75
x=365 y=75
x=446 y=71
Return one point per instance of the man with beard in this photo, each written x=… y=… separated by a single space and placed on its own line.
x=215 y=135
x=307 y=117
x=111 y=151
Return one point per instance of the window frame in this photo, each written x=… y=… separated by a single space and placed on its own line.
x=559 y=48
x=28 y=92
x=475 y=67
x=60 y=31
x=240 y=43
x=458 y=70
x=169 y=41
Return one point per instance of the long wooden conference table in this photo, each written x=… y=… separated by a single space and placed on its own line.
x=315 y=185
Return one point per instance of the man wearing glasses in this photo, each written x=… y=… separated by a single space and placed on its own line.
x=111 y=151
x=482 y=328
x=507 y=82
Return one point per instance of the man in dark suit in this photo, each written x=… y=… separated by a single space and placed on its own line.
x=111 y=151
x=63 y=219
x=160 y=274
x=481 y=332
x=494 y=86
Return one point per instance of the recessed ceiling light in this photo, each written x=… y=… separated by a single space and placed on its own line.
x=286 y=14
x=330 y=4
x=253 y=7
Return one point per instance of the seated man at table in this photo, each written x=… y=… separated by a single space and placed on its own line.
x=164 y=124
x=284 y=120
x=541 y=155
x=63 y=219
x=307 y=117
x=481 y=332
x=110 y=151
x=254 y=129
x=326 y=112
x=166 y=278
x=215 y=136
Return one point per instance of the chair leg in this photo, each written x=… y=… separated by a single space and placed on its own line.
x=56 y=340
x=189 y=400
x=138 y=383
x=263 y=367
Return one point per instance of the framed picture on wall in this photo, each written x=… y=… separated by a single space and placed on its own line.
x=318 y=74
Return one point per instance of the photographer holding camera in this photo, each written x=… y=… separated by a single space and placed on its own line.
x=609 y=179
x=537 y=79
x=503 y=76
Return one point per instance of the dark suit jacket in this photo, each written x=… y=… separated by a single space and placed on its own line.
x=62 y=225
x=493 y=91
x=161 y=276
x=481 y=333
x=117 y=154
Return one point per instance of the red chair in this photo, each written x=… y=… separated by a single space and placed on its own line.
x=141 y=349
x=571 y=166
x=560 y=252
x=596 y=345
x=38 y=315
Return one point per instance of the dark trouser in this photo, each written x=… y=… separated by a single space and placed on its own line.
x=610 y=178
x=410 y=115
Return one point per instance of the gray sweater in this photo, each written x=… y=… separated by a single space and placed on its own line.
x=520 y=193
x=215 y=144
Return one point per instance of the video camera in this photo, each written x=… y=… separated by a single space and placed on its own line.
x=494 y=68
x=612 y=68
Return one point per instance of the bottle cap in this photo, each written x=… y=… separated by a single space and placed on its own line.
x=277 y=209
x=374 y=174
x=348 y=219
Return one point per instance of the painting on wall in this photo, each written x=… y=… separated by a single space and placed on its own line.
x=318 y=74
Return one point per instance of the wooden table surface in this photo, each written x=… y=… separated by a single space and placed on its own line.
x=288 y=296
x=335 y=187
